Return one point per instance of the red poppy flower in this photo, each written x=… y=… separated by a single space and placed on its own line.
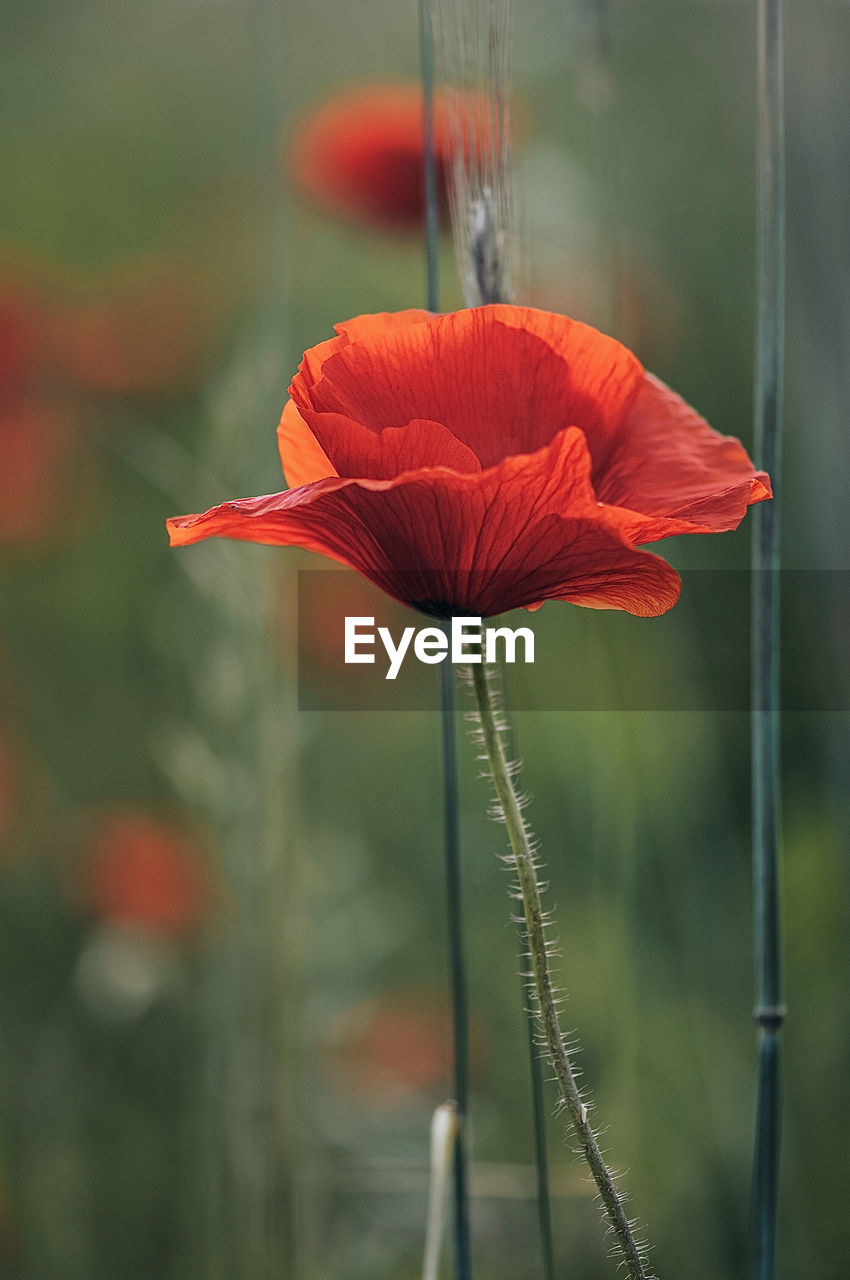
x=8 y=786
x=148 y=329
x=491 y=458
x=39 y=444
x=398 y=1045
x=21 y=335
x=143 y=871
x=360 y=154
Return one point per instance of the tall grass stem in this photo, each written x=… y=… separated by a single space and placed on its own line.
x=457 y=969
x=426 y=57
x=765 y=645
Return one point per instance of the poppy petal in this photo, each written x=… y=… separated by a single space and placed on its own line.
x=667 y=460
x=445 y=542
x=586 y=561
x=369 y=325
x=380 y=455
x=301 y=456
x=502 y=379
x=637 y=528
x=607 y=373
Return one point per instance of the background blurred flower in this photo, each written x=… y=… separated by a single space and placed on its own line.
x=39 y=427
x=490 y=459
x=39 y=446
x=360 y=153
x=8 y=786
x=149 y=327
x=399 y=1045
x=148 y=873
x=69 y=343
x=22 y=333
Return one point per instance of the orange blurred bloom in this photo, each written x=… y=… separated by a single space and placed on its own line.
x=360 y=154
x=22 y=327
x=144 y=871
x=8 y=786
x=39 y=427
x=147 y=329
x=38 y=446
x=400 y=1045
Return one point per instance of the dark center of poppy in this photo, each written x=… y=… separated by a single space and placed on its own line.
x=437 y=608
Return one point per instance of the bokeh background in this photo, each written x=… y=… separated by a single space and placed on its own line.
x=222 y=951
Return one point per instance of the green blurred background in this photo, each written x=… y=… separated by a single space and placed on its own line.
x=222 y=950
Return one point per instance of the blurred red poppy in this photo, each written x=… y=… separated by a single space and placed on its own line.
x=141 y=870
x=147 y=329
x=488 y=459
x=360 y=154
x=399 y=1045
x=21 y=336
x=8 y=786
x=39 y=442
x=40 y=431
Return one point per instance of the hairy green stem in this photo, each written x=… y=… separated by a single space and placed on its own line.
x=535 y=1070
x=518 y=835
x=541 y=1158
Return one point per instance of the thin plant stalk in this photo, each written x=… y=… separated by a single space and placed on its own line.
x=426 y=55
x=474 y=52
x=457 y=969
x=443 y=1145
x=451 y=808
x=765 y=651
x=631 y=1250
x=482 y=216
